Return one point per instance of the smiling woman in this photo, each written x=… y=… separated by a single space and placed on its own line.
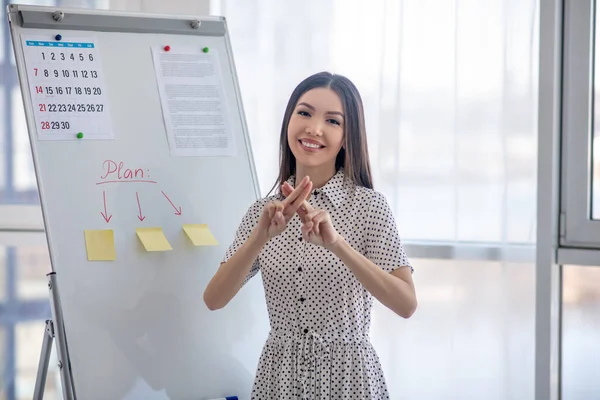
x=324 y=258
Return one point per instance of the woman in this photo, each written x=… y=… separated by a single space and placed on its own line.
x=323 y=257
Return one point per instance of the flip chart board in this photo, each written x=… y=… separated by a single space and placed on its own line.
x=144 y=169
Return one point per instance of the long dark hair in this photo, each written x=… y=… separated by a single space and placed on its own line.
x=354 y=155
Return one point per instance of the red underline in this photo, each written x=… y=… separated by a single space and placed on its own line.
x=133 y=180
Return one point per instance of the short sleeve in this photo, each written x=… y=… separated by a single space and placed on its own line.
x=242 y=234
x=383 y=245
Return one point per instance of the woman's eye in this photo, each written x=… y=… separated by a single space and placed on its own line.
x=304 y=113
x=334 y=121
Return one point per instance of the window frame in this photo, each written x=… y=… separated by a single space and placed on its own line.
x=16 y=217
x=578 y=229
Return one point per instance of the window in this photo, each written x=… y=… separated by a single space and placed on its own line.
x=17 y=177
x=450 y=92
x=580 y=326
x=24 y=307
x=580 y=206
x=472 y=336
x=28 y=341
x=450 y=95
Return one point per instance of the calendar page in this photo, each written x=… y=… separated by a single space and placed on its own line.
x=67 y=89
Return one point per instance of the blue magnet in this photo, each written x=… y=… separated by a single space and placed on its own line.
x=58 y=37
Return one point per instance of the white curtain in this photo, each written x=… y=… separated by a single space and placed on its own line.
x=450 y=94
x=450 y=89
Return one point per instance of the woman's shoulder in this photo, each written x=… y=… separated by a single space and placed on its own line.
x=370 y=197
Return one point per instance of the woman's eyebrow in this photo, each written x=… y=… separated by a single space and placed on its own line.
x=335 y=113
x=306 y=105
x=328 y=112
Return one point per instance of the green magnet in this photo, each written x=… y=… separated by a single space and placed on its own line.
x=79 y=135
x=205 y=49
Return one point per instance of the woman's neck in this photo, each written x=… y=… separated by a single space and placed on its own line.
x=319 y=176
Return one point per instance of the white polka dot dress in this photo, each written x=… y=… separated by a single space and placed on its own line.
x=320 y=314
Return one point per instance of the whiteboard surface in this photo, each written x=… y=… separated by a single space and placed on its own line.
x=137 y=327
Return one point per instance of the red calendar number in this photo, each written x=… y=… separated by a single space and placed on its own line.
x=45 y=125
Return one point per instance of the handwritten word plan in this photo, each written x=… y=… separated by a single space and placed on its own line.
x=193 y=101
x=67 y=90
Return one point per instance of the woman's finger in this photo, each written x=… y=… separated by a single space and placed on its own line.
x=295 y=205
x=317 y=220
x=296 y=192
x=319 y=216
x=278 y=206
x=304 y=207
x=279 y=219
x=312 y=214
x=306 y=229
x=287 y=189
x=270 y=210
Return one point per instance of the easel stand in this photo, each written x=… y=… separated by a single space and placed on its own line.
x=54 y=329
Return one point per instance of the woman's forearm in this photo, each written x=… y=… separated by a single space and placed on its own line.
x=391 y=291
x=230 y=276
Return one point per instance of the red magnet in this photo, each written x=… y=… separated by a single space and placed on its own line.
x=167 y=48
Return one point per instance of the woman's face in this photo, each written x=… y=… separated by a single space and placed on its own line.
x=316 y=128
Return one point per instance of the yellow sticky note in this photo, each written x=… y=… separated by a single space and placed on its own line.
x=100 y=245
x=153 y=239
x=200 y=235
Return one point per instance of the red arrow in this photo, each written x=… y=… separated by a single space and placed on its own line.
x=177 y=210
x=105 y=213
x=140 y=217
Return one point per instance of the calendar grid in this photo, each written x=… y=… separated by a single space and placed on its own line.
x=67 y=90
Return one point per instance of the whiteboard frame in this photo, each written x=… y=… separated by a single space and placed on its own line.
x=40 y=17
x=24 y=17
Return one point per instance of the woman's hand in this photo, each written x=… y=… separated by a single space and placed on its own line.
x=317 y=227
x=276 y=214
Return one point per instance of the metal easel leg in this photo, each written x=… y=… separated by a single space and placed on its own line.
x=54 y=329
x=40 y=381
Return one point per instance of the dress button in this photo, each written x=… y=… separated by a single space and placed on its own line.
x=305 y=330
x=302 y=299
x=299 y=269
x=300 y=238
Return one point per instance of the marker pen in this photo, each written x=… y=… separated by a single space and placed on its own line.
x=226 y=398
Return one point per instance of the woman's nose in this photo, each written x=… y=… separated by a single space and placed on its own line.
x=314 y=129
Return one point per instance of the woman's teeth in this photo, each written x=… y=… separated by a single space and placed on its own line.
x=311 y=145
